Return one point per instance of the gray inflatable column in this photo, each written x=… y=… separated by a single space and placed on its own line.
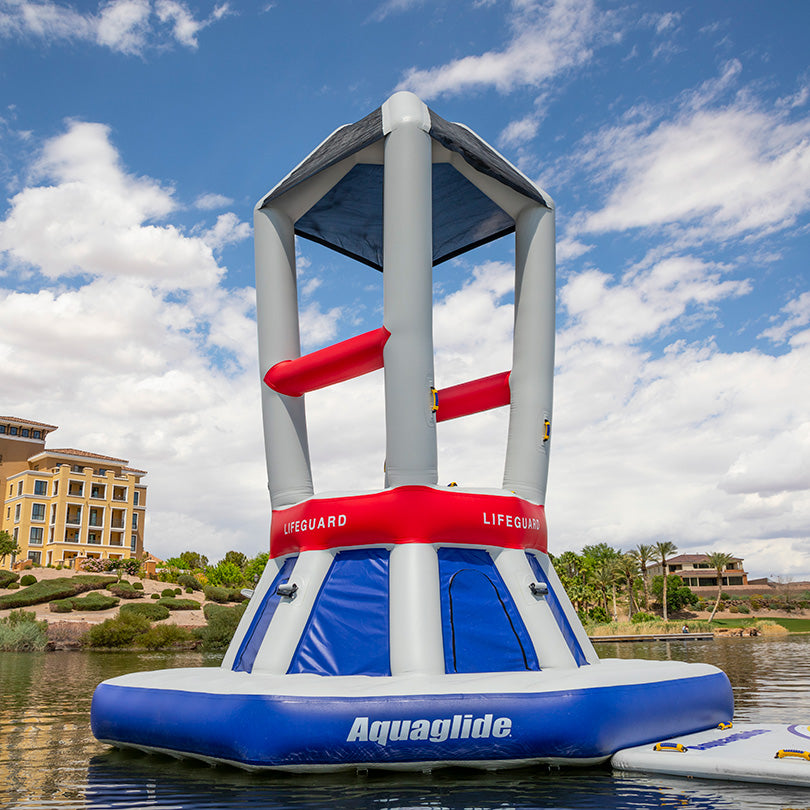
x=285 y=427
x=411 y=456
x=531 y=380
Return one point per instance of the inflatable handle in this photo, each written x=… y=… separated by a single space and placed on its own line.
x=782 y=753
x=664 y=746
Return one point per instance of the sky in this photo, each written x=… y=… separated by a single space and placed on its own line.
x=137 y=135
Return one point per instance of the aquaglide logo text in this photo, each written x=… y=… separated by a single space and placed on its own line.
x=457 y=727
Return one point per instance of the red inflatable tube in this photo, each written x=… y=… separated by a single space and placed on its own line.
x=474 y=396
x=333 y=364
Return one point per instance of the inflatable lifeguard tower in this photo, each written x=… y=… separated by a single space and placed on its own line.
x=417 y=625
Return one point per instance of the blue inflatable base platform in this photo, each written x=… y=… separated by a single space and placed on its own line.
x=225 y=717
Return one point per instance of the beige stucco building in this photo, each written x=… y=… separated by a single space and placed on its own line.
x=64 y=503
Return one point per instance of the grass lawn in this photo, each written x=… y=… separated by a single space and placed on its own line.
x=791 y=625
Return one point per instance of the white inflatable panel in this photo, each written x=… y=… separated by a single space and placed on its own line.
x=746 y=752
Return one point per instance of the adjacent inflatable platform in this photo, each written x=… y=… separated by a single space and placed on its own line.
x=417 y=625
x=744 y=752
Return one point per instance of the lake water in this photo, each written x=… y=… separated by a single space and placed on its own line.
x=50 y=759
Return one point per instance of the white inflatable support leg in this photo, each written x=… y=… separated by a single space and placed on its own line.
x=546 y=635
x=411 y=455
x=531 y=380
x=415 y=611
x=567 y=608
x=268 y=575
x=285 y=427
x=290 y=618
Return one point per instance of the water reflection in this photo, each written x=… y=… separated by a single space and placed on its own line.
x=117 y=780
x=49 y=758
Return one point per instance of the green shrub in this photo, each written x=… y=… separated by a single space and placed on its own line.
x=13 y=586
x=27 y=579
x=118 y=632
x=215 y=593
x=179 y=604
x=138 y=586
x=7 y=577
x=154 y=596
x=225 y=574
x=47 y=590
x=21 y=632
x=94 y=601
x=167 y=593
x=154 y=612
x=641 y=616
x=221 y=623
x=61 y=606
x=178 y=591
x=124 y=590
x=163 y=635
x=743 y=609
x=189 y=581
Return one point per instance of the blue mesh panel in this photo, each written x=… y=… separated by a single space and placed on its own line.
x=254 y=637
x=347 y=630
x=559 y=615
x=481 y=627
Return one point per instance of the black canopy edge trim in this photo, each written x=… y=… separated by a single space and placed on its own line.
x=445 y=258
x=342 y=251
x=467 y=248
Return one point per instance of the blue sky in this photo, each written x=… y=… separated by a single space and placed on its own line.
x=136 y=136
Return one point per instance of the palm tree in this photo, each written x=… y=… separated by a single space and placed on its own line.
x=628 y=568
x=718 y=560
x=643 y=554
x=662 y=550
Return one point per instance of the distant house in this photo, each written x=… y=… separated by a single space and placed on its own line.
x=696 y=571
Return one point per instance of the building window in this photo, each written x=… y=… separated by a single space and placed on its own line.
x=96 y=517
x=98 y=491
x=53 y=513
x=37 y=434
x=134 y=521
x=75 y=489
x=40 y=487
x=16 y=533
x=136 y=497
x=19 y=487
x=12 y=431
x=25 y=432
x=55 y=488
x=35 y=556
x=17 y=513
x=35 y=538
x=2 y=428
x=38 y=511
x=102 y=470
x=92 y=537
x=133 y=542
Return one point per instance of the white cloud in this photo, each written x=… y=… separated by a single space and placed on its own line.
x=548 y=39
x=519 y=132
x=91 y=217
x=227 y=230
x=711 y=172
x=642 y=302
x=797 y=314
x=209 y=202
x=390 y=7
x=124 y=26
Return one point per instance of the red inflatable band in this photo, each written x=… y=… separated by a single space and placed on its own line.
x=412 y=514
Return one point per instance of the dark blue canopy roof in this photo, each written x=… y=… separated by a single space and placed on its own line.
x=349 y=217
